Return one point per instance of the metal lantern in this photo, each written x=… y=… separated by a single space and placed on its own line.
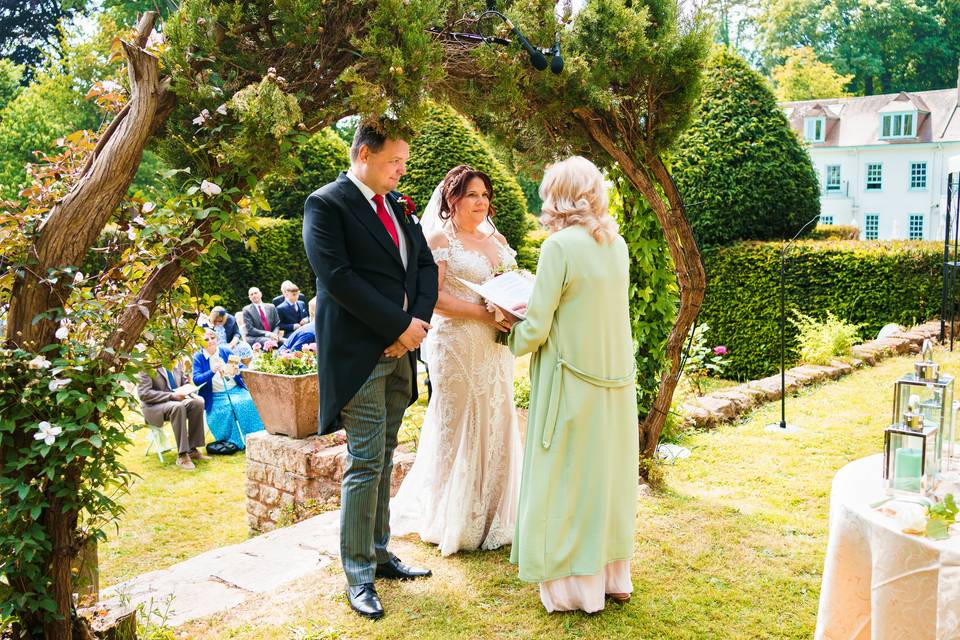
x=923 y=399
x=910 y=459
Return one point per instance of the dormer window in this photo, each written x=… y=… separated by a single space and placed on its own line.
x=814 y=129
x=898 y=125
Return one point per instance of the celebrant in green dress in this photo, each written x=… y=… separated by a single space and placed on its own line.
x=578 y=491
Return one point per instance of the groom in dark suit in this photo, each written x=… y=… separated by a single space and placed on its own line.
x=376 y=288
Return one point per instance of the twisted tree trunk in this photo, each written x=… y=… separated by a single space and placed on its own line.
x=688 y=265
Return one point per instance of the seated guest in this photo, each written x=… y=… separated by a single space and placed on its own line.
x=278 y=300
x=293 y=313
x=228 y=404
x=228 y=333
x=260 y=319
x=160 y=403
x=307 y=334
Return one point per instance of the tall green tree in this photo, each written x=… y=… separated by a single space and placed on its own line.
x=10 y=76
x=28 y=28
x=886 y=45
x=742 y=171
x=803 y=77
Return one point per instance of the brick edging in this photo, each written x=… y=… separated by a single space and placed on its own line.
x=728 y=404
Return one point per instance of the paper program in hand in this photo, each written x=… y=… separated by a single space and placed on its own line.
x=507 y=290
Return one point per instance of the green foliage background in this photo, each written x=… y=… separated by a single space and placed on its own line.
x=654 y=295
x=870 y=284
x=447 y=140
x=321 y=158
x=743 y=174
x=273 y=254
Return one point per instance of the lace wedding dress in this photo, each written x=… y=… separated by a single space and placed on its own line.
x=463 y=488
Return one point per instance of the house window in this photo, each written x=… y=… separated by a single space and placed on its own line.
x=814 y=129
x=826 y=219
x=874 y=176
x=833 y=178
x=899 y=125
x=871 y=226
x=915 y=227
x=918 y=175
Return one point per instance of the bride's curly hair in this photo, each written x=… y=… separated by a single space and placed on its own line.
x=455 y=188
x=574 y=193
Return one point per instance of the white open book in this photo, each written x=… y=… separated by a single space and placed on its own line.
x=187 y=389
x=506 y=290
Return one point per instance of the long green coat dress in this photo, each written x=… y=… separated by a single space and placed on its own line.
x=578 y=488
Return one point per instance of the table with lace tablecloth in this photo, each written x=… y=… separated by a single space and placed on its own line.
x=878 y=582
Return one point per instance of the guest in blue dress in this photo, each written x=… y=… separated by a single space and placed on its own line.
x=227 y=402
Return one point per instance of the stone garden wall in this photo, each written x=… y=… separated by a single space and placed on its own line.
x=285 y=475
x=722 y=406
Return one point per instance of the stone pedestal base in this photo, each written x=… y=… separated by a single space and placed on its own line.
x=284 y=474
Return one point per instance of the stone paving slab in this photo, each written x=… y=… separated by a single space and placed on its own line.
x=222 y=578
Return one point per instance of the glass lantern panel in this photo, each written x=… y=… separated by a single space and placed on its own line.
x=910 y=459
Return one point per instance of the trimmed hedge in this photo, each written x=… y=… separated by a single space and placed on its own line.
x=835 y=232
x=866 y=283
x=743 y=174
x=276 y=254
x=448 y=140
x=321 y=159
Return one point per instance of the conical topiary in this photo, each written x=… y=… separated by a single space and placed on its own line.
x=743 y=173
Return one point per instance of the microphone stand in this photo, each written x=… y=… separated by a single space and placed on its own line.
x=782 y=426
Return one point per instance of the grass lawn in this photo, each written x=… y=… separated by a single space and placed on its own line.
x=732 y=547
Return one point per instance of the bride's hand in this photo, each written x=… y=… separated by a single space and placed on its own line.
x=498 y=318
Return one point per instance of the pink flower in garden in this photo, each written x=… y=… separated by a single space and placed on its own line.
x=720 y=350
x=269 y=345
x=310 y=347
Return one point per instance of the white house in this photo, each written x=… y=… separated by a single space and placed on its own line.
x=882 y=160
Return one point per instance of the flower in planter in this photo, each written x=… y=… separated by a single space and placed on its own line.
x=269 y=345
x=257 y=347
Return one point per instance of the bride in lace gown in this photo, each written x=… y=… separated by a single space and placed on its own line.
x=463 y=488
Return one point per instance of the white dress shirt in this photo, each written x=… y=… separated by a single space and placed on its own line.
x=368 y=193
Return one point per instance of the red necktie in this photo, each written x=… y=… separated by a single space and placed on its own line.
x=263 y=319
x=386 y=219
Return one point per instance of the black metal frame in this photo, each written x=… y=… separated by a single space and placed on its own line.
x=951 y=259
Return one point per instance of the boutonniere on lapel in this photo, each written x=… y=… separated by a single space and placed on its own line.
x=406 y=202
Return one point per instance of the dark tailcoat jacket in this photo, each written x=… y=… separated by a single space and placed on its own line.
x=361 y=284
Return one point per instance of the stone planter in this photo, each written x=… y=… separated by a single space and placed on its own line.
x=287 y=404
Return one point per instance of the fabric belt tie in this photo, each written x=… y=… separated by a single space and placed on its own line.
x=553 y=407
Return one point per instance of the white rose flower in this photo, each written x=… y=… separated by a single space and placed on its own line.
x=202 y=118
x=148 y=207
x=77 y=277
x=140 y=221
x=62 y=333
x=39 y=363
x=131 y=234
x=47 y=432
x=222 y=109
x=911 y=518
x=210 y=188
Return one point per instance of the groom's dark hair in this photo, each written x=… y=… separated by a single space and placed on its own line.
x=367 y=134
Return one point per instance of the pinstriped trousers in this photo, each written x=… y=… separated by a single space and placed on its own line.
x=371 y=420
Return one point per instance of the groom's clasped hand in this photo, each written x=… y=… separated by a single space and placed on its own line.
x=409 y=340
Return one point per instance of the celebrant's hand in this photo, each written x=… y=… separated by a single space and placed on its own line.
x=414 y=335
x=396 y=350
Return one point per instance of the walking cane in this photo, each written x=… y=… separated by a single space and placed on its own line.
x=236 y=420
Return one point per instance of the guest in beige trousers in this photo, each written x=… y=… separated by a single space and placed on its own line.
x=160 y=403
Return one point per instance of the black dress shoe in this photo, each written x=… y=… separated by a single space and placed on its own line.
x=393 y=569
x=364 y=600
